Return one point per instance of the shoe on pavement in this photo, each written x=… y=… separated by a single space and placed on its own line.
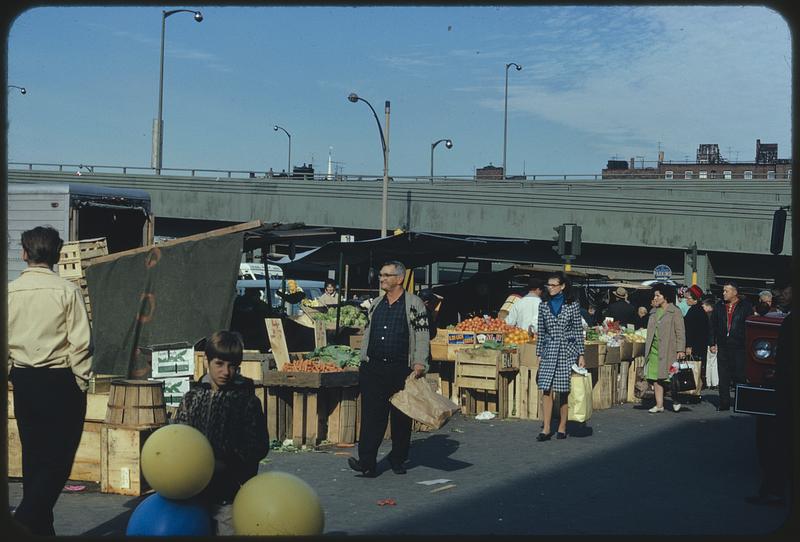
x=356 y=465
x=676 y=407
x=398 y=469
x=656 y=409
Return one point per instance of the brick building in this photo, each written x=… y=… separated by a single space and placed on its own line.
x=709 y=164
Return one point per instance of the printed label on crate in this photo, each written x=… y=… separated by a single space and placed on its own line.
x=173 y=362
x=483 y=337
x=460 y=338
x=174 y=389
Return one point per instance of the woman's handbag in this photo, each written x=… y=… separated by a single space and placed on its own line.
x=683 y=380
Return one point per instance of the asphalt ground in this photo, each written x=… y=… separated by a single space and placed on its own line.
x=626 y=471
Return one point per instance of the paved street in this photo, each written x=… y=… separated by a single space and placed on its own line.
x=626 y=472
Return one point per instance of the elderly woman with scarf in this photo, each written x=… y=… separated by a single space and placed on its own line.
x=559 y=346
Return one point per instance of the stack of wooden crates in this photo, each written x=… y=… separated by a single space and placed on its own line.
x=107 y=454
x=76 y=256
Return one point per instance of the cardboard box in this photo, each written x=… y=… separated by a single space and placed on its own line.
x=172 y=360
x=174 y=389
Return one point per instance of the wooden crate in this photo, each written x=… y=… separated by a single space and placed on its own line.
x=637 y=349
x=101 y=383
x=96 y=405
x=527 y=395
x=310 y=415
x=356 y=340
x=120 y=457
x=76 y=256
x=603 y=390
x=626 y=351
x=621 y=392
x=612 y=355
x=591 y=354
x=637 y=363
x=445 y=371
x=85 y=467
x=527 y=355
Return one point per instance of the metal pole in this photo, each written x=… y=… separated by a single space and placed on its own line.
x=159 y=126
x=505 y=124
x=385 y=206
x=432 y=147
x=339 y=274
x=289 y=169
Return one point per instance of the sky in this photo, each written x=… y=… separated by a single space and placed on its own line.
x=597 y=83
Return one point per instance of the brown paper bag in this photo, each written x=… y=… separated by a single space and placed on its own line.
x=580 y=398
x=696 y=366
x=420 y=402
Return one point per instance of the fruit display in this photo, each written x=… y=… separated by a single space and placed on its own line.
x=478 y=324
x=306 y=365
x=516 y=336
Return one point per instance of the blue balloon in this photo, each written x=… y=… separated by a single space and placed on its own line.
x=159 y=516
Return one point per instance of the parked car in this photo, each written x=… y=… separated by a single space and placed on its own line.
x=312 y=288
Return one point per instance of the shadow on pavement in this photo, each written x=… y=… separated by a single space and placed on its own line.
x=118 y=524
x=434 y=452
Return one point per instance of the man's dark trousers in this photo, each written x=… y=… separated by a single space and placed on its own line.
x=378 y=381
x=50 y=410
x=730 y=364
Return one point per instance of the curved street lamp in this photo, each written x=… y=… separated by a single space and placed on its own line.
x=276 y=128
x=353 y=97
x=158 y=135
x=505 y=116
x=21 y=89
x=447 y=143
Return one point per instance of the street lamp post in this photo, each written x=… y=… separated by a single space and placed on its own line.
x=447 y=143
x=353 y=97
x=21 y=89
x=158 y=129
x=505 y=116
x=276 y=128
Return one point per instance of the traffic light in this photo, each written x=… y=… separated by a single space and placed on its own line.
x=561 y=239
x=778 y=230
x=693 y=257
x=575 y=245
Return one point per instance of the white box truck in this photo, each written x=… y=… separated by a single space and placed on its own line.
x=78 y=211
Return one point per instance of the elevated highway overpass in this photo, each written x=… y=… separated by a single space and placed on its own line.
x=635 y=221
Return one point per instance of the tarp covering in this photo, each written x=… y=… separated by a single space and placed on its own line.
x=413 y=249
x=169 y=294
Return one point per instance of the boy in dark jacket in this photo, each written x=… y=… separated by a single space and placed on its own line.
x=223 y=406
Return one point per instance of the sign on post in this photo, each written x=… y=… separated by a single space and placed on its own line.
x=662 y=272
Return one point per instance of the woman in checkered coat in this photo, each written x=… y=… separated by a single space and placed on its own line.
x=559 y=345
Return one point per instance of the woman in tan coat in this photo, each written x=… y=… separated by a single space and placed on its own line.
x=666 y=342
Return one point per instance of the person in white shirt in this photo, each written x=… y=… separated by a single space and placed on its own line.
x=525 y=312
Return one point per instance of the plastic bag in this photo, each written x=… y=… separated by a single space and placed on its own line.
x=420 y=402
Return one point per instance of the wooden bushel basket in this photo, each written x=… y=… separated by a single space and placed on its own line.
x=136 y=404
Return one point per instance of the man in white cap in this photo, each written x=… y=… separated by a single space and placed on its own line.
x=620 y=310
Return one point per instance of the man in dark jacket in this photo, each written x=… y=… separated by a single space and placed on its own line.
x=620 y=310
x=696 y=324
x=726 y=338
x=223 y=406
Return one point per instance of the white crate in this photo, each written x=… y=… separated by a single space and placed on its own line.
x=174 y=389
x=172 y=362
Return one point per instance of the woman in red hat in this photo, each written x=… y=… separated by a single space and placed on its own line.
x=696 y=323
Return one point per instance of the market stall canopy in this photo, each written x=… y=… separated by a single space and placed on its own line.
x=413 y=249
x=276 y=232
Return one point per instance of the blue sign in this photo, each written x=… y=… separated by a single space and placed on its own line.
x=662 y=272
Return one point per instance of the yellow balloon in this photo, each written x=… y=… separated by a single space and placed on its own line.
x=277 y=503
x=177 y=461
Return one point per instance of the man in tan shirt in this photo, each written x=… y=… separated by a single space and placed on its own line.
x=49 y=363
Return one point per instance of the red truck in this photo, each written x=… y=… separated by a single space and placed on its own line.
x=761 y=338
